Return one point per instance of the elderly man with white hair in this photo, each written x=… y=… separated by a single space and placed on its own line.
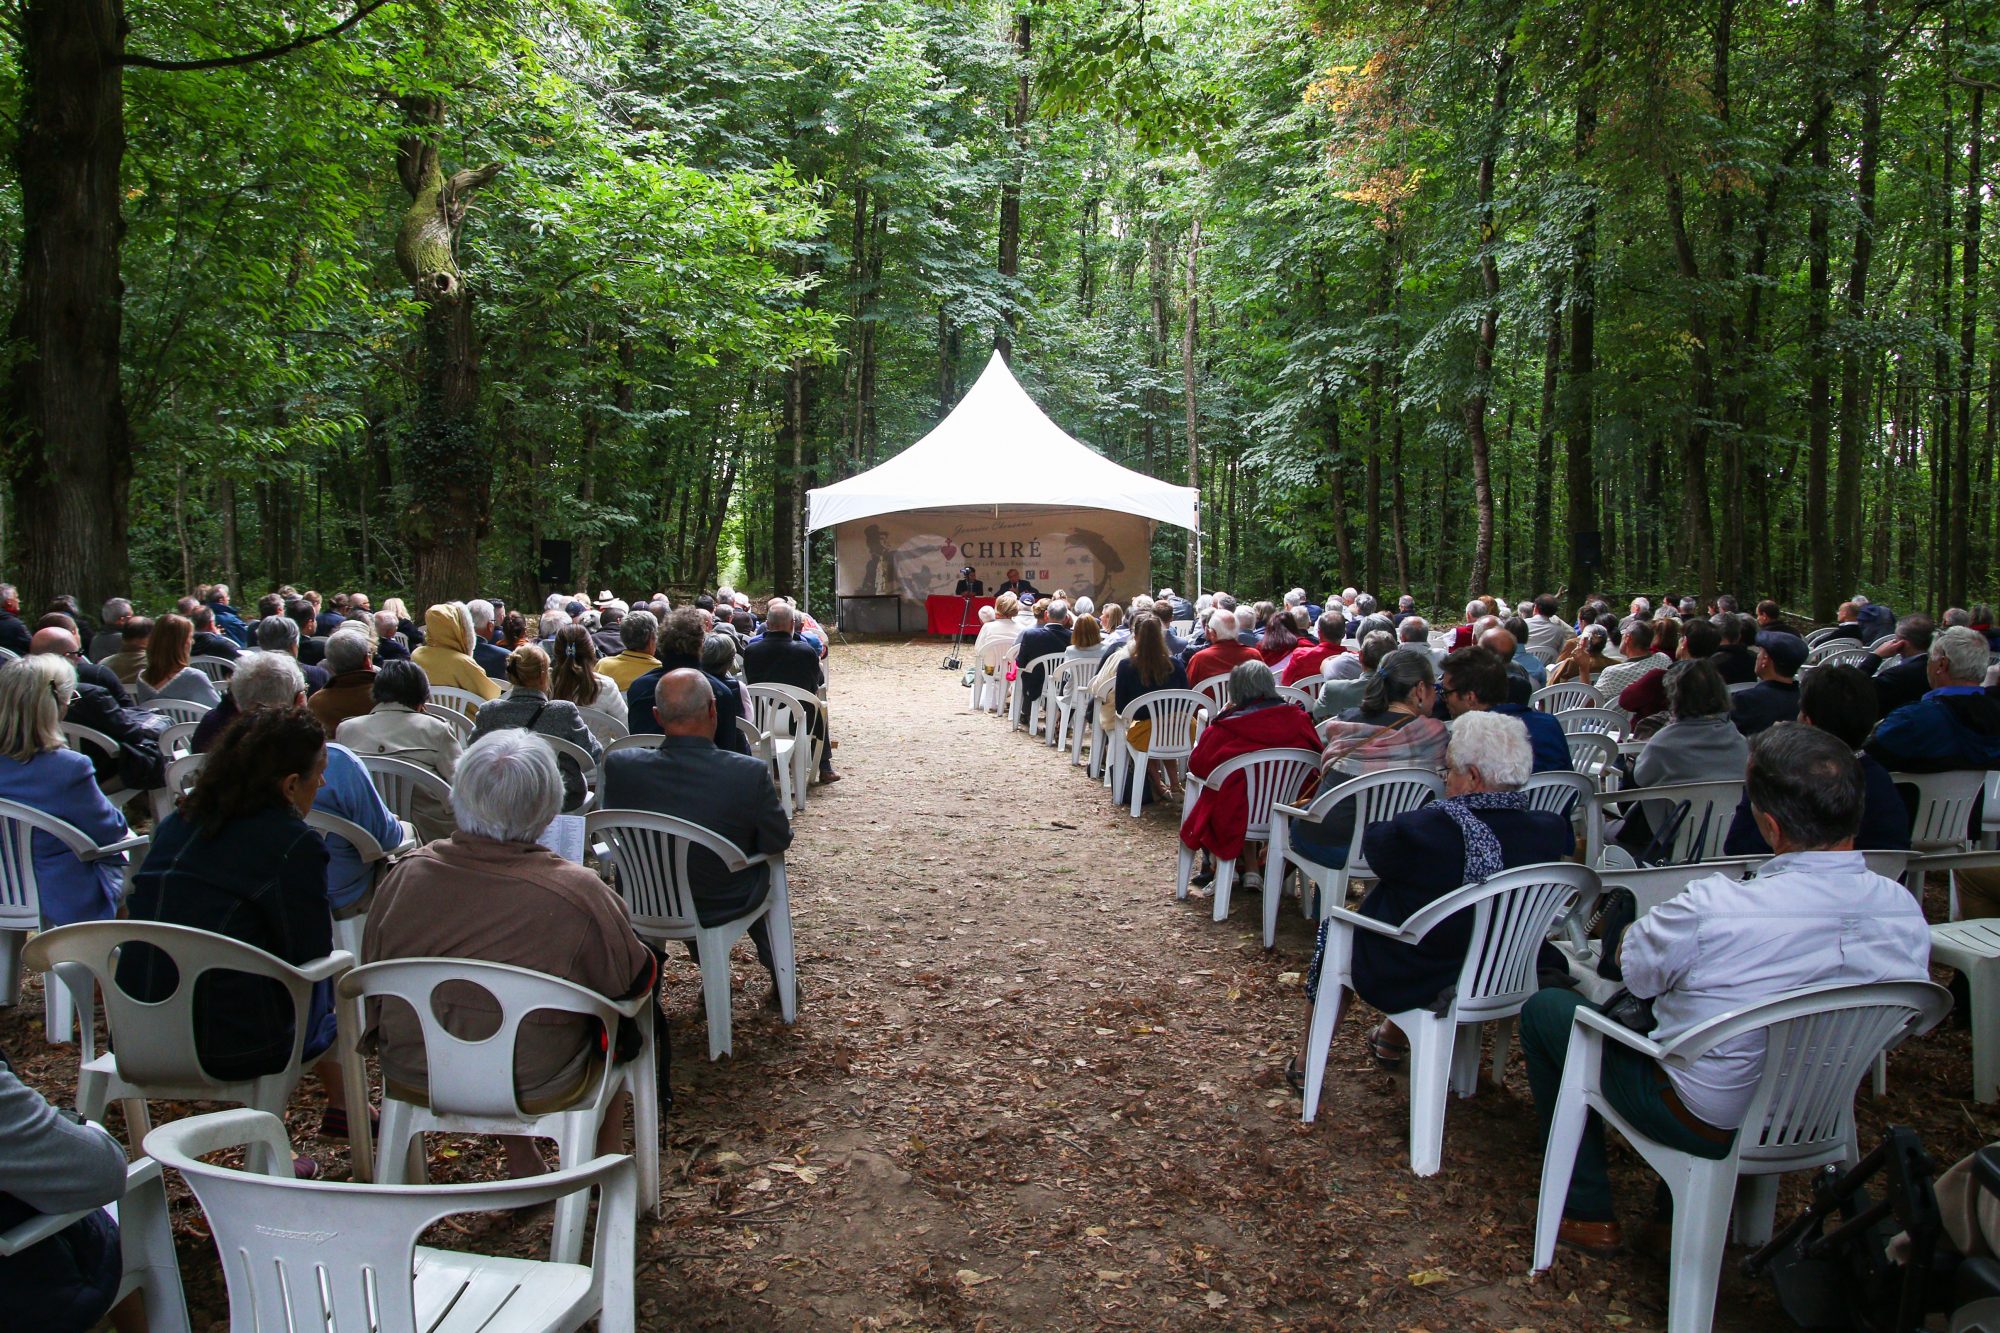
x=490 y=892
x=1224 y=650
x=779 y=657
x=1954 y=726
x=275 y=680
x=383 y=627
x=490 y=656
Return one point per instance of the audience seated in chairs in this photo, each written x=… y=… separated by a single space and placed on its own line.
x=1840 y=701
x=237 y=858
x=1701 y=744
x=38 y=770
x=1476 y=680
x=446 y=652
x=1256 y=719
x=1723 y=944
x=1775 y=696
x=1342 y=692
x=1901 y=667
x=1639 y=658
x=399 y=728
x=350 y=687
x=1645 y=699
x=167 y=674
x=780 y=657
x=279 y=635
x=1483 y=826
x=275 y=681
x=135 y=636
x=488 y=655
x=679 y=649
x=1308 y=661
x=1224 y=648
x=688 y=777
x=1583 y=657
x=52 y=1162
x=530 y=708
x=490 y=892
x=994 y=643
x=1393 y=727
x=1052 y=636
x=1147 y=668
x=638 y=633
x=575 y=676
x=138 y=765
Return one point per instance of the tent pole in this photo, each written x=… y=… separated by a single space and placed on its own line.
x=805 y=571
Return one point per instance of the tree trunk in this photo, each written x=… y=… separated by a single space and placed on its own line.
x=1489 y=322
x=1018 y=113
x=1959 y=573
x=1156 y=279
x=1189 y=328
x=1940 y=435
x=1579 y=410
x=1545 y=451
x=1846 y=536
x=447 y=463
x=788 y=469
x=66 y=443
x=1820 y=539
x=1694 y=455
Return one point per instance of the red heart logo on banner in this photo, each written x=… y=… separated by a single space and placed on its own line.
x=948 y=549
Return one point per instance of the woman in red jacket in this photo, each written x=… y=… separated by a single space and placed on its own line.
x=1258 y=720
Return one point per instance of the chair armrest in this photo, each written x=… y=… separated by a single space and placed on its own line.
x=1192 y=784
x=409 y=841
x=1619 y=1033
x=1292 y=811
x=325 y=969
x=130 y=844
x=37 y=1229
x=1369 y=923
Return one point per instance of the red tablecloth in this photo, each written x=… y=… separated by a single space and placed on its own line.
x=944 y=613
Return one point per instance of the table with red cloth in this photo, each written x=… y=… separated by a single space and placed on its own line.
x=944 y=613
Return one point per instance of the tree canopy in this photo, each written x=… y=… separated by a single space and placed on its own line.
x=1437 y=297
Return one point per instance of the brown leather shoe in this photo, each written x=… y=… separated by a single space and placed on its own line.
x=1600 y=1240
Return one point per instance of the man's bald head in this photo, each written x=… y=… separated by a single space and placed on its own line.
x=53 y=640
x=1500 y=641
x=778 y=618
x=684 y=702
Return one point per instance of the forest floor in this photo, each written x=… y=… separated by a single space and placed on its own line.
x=1029 y=1090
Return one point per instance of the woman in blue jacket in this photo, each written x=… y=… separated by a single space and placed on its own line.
x=39 y=771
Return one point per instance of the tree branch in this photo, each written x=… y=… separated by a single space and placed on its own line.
x=300 y=42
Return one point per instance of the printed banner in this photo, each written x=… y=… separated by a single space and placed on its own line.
x=1091 y=553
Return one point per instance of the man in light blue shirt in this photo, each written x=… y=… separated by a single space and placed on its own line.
x=1813 y=916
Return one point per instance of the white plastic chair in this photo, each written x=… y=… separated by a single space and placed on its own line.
x=1836 y=653
x=1217 y=689
x=1561 y=698
x=1569 y=794
x=649 y=854
x=1943 y=818
x=178 y=710
x=459 y=722
x=781 y=717
x=470 y=1089
x=399 y=782
x=1973 y=948
x=1650 y=886
x=1175 y=727
x=1711 y=808
x=1818 y=1044
x=464 y=702
x=1595 y=754
x=1304 y=698
x=585 y=764
x=1513 y=913
x=1376 y=797
x=154 y=1056
x=344 y=1258
x=181 y=774
x=1270 y=778
x=650 y=740
x=604 y=726
x=347 y=930
x=21 y=903
x=763 y=746
x=145 y=1243
x=91 y=743
x=1612 y=722
x=177 y=741
x=1072 y=706
x=1915 y=867
x=1035 y=713
x=217 y=669
x=1989 y=813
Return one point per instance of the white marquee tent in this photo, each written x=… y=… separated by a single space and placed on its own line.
x=997 y=456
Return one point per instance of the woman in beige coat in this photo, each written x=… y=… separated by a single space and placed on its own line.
x=399 y=727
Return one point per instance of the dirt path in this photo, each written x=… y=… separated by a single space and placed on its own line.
x=1028 y=1090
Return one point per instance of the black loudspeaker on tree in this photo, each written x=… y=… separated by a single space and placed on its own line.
x=1589 y=548
x=555 y=562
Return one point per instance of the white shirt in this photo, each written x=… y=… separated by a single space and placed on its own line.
x=1805 y=919
x=1613 y=679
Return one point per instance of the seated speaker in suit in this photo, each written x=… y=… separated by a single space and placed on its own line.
x=729 y=794
x=969 y=586
x=780 y=657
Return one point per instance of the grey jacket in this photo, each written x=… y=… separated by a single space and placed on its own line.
x=549 y=717
x=1700 y=749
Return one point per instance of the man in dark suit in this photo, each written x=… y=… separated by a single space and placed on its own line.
x=678 y=647
x=1049 y=637
x=1775 y=697
x=1736 y=659
x=777 y=657
x=969 y=586
x=490 y=656
x=108 y=709
x=1900 y=667
x=208 y=643
x=1847 y=625
x=1019 y=586
x=731 y=795
x=310 y=648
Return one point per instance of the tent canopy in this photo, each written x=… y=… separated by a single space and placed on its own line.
x=998 y=448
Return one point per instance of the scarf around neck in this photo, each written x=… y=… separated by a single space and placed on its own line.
x=1482 y=850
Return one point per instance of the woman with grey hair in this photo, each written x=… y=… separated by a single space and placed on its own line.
x=1701 y=744
x=1257 y=719
x=1483 y=826
x=530 y=708
x=490 y=892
